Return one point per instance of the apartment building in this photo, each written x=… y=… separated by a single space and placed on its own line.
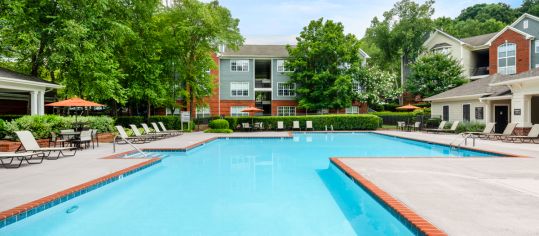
x=256 y=75
x=509 y=92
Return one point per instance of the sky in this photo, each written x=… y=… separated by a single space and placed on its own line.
x=279 y=21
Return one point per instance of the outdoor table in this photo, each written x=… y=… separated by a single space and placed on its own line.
x=70 y=135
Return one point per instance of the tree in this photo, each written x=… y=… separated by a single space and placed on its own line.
x=400 y=35
x=468 y=28
x=434 y=73
x=530 y=7
x=482 y=12
x=377 y=85
x=194 y=30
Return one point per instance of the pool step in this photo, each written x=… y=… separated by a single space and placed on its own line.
x=148 y=155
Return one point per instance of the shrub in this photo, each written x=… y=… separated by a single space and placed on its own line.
x=2 y=129
x=433 y=122
x=219 y=124
x=470 y=127
x=8 y=118
x=225 y=131
x=339 y=122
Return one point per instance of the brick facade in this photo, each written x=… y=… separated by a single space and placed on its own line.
x=226 y=104
x=523 y=51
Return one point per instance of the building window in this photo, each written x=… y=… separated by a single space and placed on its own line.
x=445 y=113
x=507 y=59
x=525 y=24
x=286 y=90
x=239 y=65
x=203 y=112
x=479 y=113
x=281 y=66
x=237 y=111
x=536 y=46
x=286 y=111
x=466 y=112
x=356 y=87
x=239 y=89
x=442 y=50
x=352 y=110
x=323 y=111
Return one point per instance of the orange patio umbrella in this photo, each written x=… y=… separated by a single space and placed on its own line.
x=408 y=107
x=252 y=110
x=74 y=102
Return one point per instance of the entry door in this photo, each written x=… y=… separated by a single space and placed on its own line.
x=501 y=118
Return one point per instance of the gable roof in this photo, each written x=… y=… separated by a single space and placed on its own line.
x=437 y=31
x=528 y=36
x=478 y=40
x=12 y=75
x=476 y=89
x=510 y=79
x=257 y=51
x=525 y=15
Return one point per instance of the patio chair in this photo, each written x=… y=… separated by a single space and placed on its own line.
x=401 y=125
x=147 y=131
x=309 y=125
x=21 y=156
x=179 y=132
x=246 y=126
x=416 y=126
x=123 y=135
x=489 y=127
x=508 y=131
x=280 y=125
x=144 y=137
x=29 y=143
x=295 y=125
x=532 y=135
x=54 y=140
x=156 y=129
x=453 y=128
x=440 y=127
x=95 y=138
x=85 y=138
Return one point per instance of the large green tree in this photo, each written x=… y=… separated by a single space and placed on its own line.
x=193 y=30
x=530 y=6
x=482 y=12
x=434 y=73
x=467 y=28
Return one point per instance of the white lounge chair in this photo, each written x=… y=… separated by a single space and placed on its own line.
x=532 y=135
x=508 y=131
x=156 y=129
x=123 y=135
x=489 y=127
x=309 y=125
x=166 y=130
x=143 y=137
x=21 y=156
x=295 y=125
x=147 y=131
x=453 y=128
x=440 y=127
x=280 y=125
x=29 y=143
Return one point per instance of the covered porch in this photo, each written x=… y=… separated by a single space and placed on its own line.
x=22 y=94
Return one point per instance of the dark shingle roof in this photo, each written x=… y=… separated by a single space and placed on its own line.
x=257 y=51
x=16 y=75
x=477 y=87
x=504 y=78
x=478 y=40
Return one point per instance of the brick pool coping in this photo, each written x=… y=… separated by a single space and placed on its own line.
x=422 y=225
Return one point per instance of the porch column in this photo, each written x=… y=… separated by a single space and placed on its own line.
x=33 y=103
x=488 y=112
x=521 y=110
x=41 y=102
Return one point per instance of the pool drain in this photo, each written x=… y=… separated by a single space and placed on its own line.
x=72 y=209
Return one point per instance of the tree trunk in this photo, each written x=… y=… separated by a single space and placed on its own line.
x=36 y=58
x=149 y=110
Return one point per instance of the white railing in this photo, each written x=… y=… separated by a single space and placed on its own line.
x=457 y=142
x=130 y=144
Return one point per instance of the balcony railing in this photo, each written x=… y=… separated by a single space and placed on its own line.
x=479 y=71
x=263 y=83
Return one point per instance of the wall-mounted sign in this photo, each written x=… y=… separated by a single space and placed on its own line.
x=517 y=112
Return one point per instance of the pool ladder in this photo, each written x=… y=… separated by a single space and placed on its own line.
x=130 y=144
x=453 y=143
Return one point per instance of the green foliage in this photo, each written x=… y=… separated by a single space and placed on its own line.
x=224 y=131
x=42 y=126
x=391 y=118
x=530 y=6
x=339 y=122
x=10 y=117
x=498 y=11
x=2 y=129
x=377 y=85
x=433 y=122
x=434 y=73
x=470 y=127
x=468 y=28
x=219 y=124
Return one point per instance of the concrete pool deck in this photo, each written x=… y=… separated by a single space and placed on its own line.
x=461 y=196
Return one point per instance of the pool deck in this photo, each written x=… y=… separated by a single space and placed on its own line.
x=463 y=196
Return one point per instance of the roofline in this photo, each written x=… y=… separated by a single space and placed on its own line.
x=528 y=36
x=34 y=83
x=497 y=98
x=522 y=17
x=457 y=97
x=515 y=81
x=445 y=34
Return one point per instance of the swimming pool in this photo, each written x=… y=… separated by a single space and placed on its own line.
x=240 y=187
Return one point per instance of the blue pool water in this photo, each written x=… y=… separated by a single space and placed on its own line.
x=240 y=187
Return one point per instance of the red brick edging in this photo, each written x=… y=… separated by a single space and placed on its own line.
x=419 y=222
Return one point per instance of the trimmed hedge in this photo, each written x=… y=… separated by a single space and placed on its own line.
x=339 y=122
x=391 y=118
x=219 y=124
x=223 y=131
x=2 y=129
x=469 y=127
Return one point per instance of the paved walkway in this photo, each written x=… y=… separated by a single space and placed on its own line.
x=463 y=196
x=31 y=182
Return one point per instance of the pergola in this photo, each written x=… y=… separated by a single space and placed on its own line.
x=16 y=86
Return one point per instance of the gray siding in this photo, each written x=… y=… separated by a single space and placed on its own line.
x=533 y=29
x=278 y=77
x=227 y=76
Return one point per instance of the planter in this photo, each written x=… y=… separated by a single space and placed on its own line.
x=11 y=146
x=105 y=137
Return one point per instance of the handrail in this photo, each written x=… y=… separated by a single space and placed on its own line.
x=464 y=140
x=130 y=144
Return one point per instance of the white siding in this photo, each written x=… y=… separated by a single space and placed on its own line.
x=456 y=110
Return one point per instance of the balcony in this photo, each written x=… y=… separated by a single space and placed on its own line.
x=479 y=72
x=262 y=84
